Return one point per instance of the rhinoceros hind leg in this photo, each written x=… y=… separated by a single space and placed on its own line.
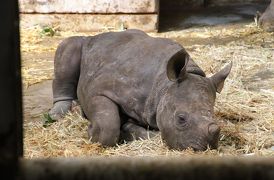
x=131 y=131
x=104 y=116
x=266 y=21
x=67 y=62
x=59 y=109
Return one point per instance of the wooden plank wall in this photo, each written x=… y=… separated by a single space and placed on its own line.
x=91 y=15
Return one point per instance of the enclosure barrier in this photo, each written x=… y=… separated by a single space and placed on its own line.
x=148 y=168
x=13 y=166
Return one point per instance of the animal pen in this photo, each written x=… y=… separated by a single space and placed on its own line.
x=213 y=32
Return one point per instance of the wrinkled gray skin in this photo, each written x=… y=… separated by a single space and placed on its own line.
x=266 y=21
x=129 y=84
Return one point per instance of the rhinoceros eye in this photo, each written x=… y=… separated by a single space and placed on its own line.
x=182 y=119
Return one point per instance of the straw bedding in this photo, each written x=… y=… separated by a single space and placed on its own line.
x=244 y=109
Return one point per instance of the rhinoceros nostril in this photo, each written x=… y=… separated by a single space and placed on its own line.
x=213 y=130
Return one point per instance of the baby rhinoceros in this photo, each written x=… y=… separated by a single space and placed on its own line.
x=129 y=84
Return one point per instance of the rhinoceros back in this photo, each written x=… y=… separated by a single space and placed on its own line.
x=124 y=66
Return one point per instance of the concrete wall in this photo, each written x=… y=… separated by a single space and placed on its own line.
x=94 y=15
x=91 y=15
x=89 y=6
x=92 y=22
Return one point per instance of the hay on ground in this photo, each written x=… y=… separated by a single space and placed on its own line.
x=244 y=109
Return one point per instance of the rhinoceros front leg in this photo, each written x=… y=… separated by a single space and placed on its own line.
x=105 y=124
x=131 y=131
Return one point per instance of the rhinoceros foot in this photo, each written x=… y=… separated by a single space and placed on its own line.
x=131 y=131
x=59 y=109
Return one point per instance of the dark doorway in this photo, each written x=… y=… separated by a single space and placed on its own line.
x=178 y=15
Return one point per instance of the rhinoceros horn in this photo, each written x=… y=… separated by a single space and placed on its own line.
x=218 y=78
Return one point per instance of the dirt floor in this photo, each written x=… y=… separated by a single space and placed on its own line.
x=244 y=109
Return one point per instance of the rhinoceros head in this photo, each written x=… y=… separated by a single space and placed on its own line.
x=185 y=112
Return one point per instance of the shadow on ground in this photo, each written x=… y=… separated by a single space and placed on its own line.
x=209 y=16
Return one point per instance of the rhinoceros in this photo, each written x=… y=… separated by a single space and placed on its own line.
x=266 y=20
x=130 y=84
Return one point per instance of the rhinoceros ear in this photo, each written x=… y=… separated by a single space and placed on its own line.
x=218 y=79
x=176 y=66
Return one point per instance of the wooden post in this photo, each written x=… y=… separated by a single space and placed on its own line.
x=11 y=147
x=149 y=168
